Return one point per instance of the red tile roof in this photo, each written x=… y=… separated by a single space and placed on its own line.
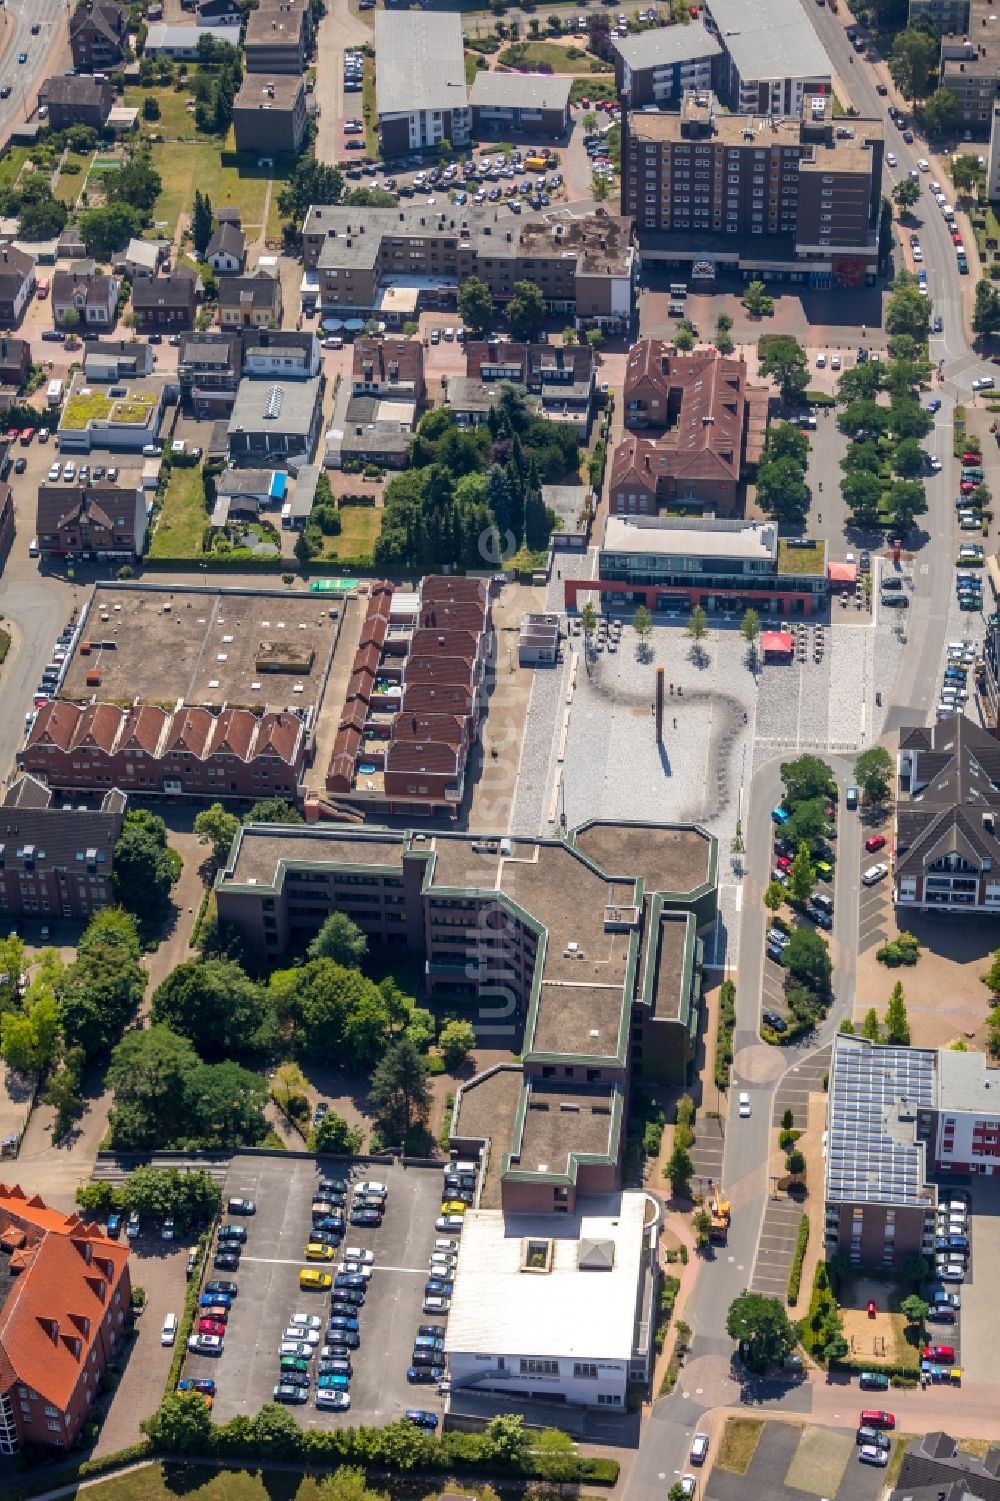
x=279 y=735
x=99 y=725
x=232 y=734
x=54 y=724
x=142 y=728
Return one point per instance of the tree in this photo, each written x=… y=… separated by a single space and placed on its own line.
x=273 y=810
x=189 y=1197
x=783 y=358
x=225 y=1107
x=555 y=1456
x=150 y=108
x=774 y=896
x=701 y=1223
x=808 y=824
x=806 y=779
x=289 y=1088
x=537 y=523
x=991 y=979
x=906 y=193
x=757 y=301
x=475 y=304
x=457 y=1040
x=588 y=620
x=42 y=220
x=914 y=1309
x=341 y=940
x=873 y=772
x=333 y=1134
x=642 y=624
x=276 y=1434
x=505 y=1443
x=907 y=311
x=526 y=311
x=807 y=959
x=148 y=1076
x=993 y=1031
x=101 y=989
x=911 y=61
x=885 y=238
x=723 y=334
x=697 y=626
x=336 y=1012
x=217 y=1007
x=939 y=113
x=98 y=1200
x=802 y=876
x=143 y=869
x=750 y=630
x=311 y=181
x=870 y=1028
x=897 y=1026
x=29 y=1038
x=986 y=313
x=399 y=1090
x=679 y=1169
x=781 y=489
x=589 y=121
x=684 y=338
x=182 y=1424
x=217 y=828
x=762 y=1328
x=347 y=1483
x=862 y=492
x=908 y=459
x=795 y=1163
x=599 y=187
x=201 y=221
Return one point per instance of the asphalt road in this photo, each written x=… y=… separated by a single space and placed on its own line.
x=663 y=1451
x=18 y=18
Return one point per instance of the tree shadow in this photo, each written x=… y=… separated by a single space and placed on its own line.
x=699 y=656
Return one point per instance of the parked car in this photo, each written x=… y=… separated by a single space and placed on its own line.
x=874 y=874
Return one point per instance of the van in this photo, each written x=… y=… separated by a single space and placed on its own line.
x=54 y=394
x=286 y=514
x=33 y=548
x=169 y=1331
x=536 y=163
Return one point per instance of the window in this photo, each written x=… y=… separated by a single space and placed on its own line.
x=585 y=1370
x=539 y=1367
x=50 y=1411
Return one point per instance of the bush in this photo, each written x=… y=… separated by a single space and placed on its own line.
x=795 y=1275
x=724 y=1034
x=902 y=950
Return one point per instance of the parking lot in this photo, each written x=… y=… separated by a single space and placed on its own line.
x=269 y=1294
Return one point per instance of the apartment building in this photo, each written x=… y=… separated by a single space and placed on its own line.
x=562 y=380
x=951 y=17
x=970 y=69
x=91 y=521
x=420 y=88
x=361 y=263
x=98 y=35
x=797 y=198
x=209 y=368
x=696 y=431
x=64 y=1306
x=392 y=368
x=57 y=860
x=269 y=114
x=653 y=67
x=772 y=60
x=17 y=282
x=278 y=37
x=76 y=101
x=509 y=104
x=946 y=850
x=897 y=1118
x=667 y=563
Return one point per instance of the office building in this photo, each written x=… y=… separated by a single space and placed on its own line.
x=508 y=104
x=653 y=67
x=420 y=88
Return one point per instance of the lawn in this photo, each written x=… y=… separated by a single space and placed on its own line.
x=550 y=54
x=96 y=405
x=809 y=559
x=820 y=1461
x=362 y=525
x=176 y=121
x=10 y=166
x=181 y=526
x=70 y=185
x=471 y=67
x=167 y=1482
x=586 y=88
x=228 y=177
x=739 y=1444
x=368 y=109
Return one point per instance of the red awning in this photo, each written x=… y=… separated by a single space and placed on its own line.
x=777 y=643
x=842 y=573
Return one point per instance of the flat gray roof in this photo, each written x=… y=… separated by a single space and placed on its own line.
x=965 y=1083
x=873 y=1156
x=285 y=406
x=769 y=39
x=419 y=62
x=522 y=90
x=667 y=537
x=666 y=45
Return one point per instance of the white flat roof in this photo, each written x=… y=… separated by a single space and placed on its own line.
x=419 y=62
x=678 y=539
x=498 y=1309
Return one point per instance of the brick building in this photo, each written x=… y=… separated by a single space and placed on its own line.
x=98 y=35
x=970 y=69
x=65 y=1294
x=388 y=367
x=90 y=521
x=57 y=860
x=17 y=282
x=519 y=104
x=165 y=302
x=76 y=101
x=562 y=378
x=696 y=430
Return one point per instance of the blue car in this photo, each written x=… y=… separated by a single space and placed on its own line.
x=333 y=1383
x=428 y=1342
x=938 y=323
x=776 y=952
x=934 y=405
x=215 y=1300
x=341 y=1321
x=439 y=1287
x=421 y=1417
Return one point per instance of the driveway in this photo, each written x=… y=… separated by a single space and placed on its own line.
x=341 y=27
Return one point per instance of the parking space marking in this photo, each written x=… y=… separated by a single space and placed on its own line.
x=419 y=1271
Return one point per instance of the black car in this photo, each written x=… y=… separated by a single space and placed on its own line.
x=226 y=1261
x=286 y=1393
x=424 y=1374
x=296 y=1378
x=350 y=1279
x=437 y=1330
x=426 y=1357
x=326 y=1237
x=332 y=1186
x=336 y=1366
x=365 y=1217
x=155 y=338
x=341 y=1308
x=340 y=1349
x=219 y=1285
x=774 y=1021
x=232 y=1233
x=355 y=1295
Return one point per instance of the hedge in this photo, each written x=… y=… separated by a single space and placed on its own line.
x=186 y=1323
x=724 y=1033
x=795 y=1275
x=890 y=1368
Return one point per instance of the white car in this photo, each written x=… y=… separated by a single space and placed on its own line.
x=834 y=365
x=447 y=1247
x=890 y=158
x=935 y=186
x=169 y=1331
x=305 y=1321
x=436 y=1304
x=935 y=464
x=55 y=470
x=689 y=1484
x=983 y=383
x=924 y=164
x=871 y=1454
x=874 y=874
x=355 y=1253
x=821 y=362
x=304 y=1336
x=355 y=1269
x=379 y=1190
x=699 y=1448
x=918 y=254
x=744 y=1105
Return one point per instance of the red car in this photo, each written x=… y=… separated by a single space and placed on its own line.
x=967 y=487
x=784 y=863
x=938 y=1352
x=872 y=1310
x=972 y=458
x=877 y=1420
x=211 y=1326
x=876 y=842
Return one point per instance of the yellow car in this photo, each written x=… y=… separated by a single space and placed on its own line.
x=453 y=1206
x=317 y=1252
x=319 y=1282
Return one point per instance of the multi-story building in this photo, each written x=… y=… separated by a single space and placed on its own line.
x=91 y=521
x=17 y=282
x=696 y=431
x=993 y=161
x=250 y=301
x=388 y=367
x=970 y=69
x=269 y=114
x=15 y=364
x=772 y=60
x=57 y=860
x=652 y=67
x=562 y=380
x=119 y=417
x=357 y=263
x=946 y=848
x=111 y=360
x=76 y=101
x=98 y=35
x=165 y=302
x=279 y=37
x=64 y=1305
x=420 y=88
x=87 y=299
x=209 y=368
x=897 y=1119
x=951 y=17
x=507 y=104
x=670 y=564
x=277 y=420
x=797 y=198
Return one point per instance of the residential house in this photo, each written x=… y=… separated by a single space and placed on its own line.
x=209 y=367
x=250 y=301
x=15 y=363
x=76 y=101
x=561 y=377
x=370 y=430
x=60 y=864
x=269 y=114
x=84 y=298
x=111 y=360
x=278 y=37
x=98 y=35
x=388 y=367
x=535 y=104
x=91 y=521
x=226 y=252
x=182 y=42
x=17 y=282
x=294 y=354
x=275 y=420
x=165 y=302
x=143 y=257
x=946 y=849
x=61 y=1324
